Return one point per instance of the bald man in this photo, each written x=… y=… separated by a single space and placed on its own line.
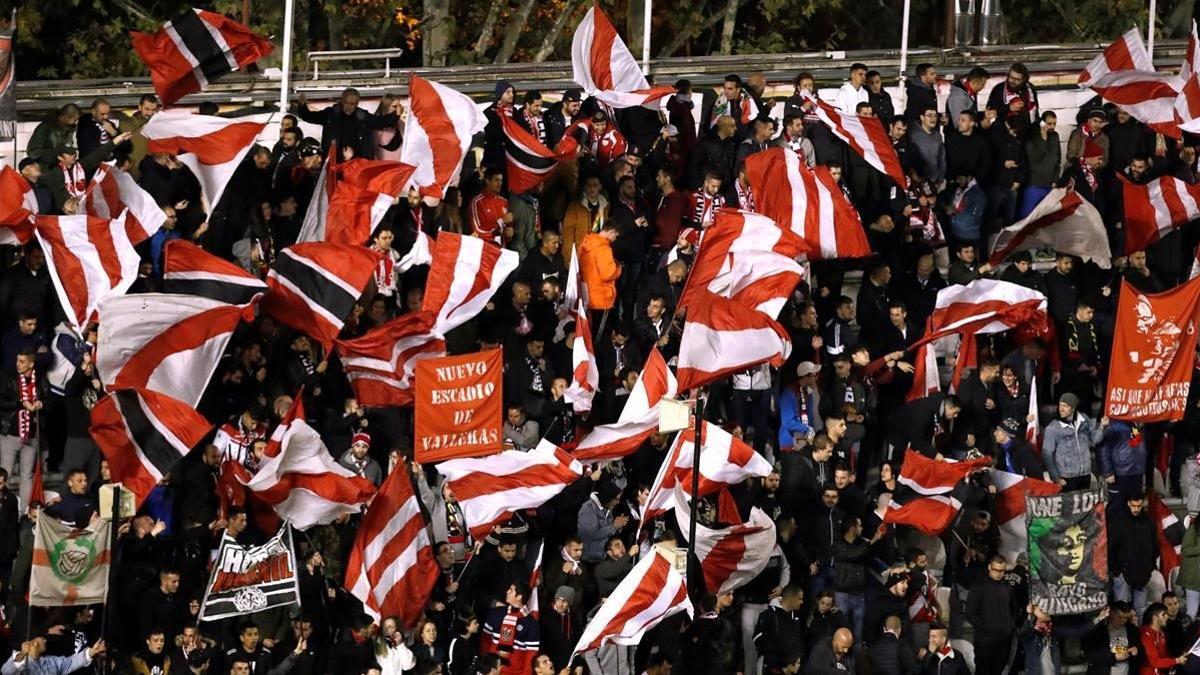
x=892 y=653
x=836 y=656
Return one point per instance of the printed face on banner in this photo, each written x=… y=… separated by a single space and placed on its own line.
x=458 y=405
x=1068 y=561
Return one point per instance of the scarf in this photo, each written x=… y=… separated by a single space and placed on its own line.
x=536 y=127
x=595 y=211
x=27 y=388
x=535 y=382
x=706 y=205
x=1044 y=629
x=1014 y=389
x=1026 y=95
x=567 y=558
x=794 y=144
x=802 y=405
x=74 y=178
x=508 y=629
x=745 y=197
x=455 y=533
x=1090 y=149
x=385 y=272
x=1073 y=328
x=960 y=196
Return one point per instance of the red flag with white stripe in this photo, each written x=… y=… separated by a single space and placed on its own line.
x=638 y=419
x=212 y=147
x=1011 y=490
x=1154 y=209
x=90 y=259
x=1147 y=96
x=312 y=287
x=1126 y=53
x=170 y=344
x=302 y=481
x=490 y=489
x=1062 y=221
x=1169 y=533
x=1032 y=429
x=391 y=568
x=730 y=557
x=984 y=306
x=923 y=496
x=866 y=137
x=1187 y=103
x=380 y=364
x=464 y=275
x=722 y=336
x=603 y=66
x=190 y=270
x=437 y=136
x=585 y=376
x=529 y=163
x=652 y=591
x=351 y=198
x=18 y=208
x=807 y=202
x=194 y=49
x=113 y=191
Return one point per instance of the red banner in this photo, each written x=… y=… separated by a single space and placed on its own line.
x=458 y=406
x=1153 y=352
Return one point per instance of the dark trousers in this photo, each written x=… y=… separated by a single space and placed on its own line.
x=1078 y=483
x=991 y=654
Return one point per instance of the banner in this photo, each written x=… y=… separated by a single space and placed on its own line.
x=252 y=578
x=1068 y=552
x=1154 y=348
x=458 y=406
x=70 y=566
x=8 y=82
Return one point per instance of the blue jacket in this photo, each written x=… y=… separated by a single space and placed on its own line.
x=594 y=526
x=1119 y=457
x=1067 y=450
x=790 y=423
x=967 y=224
x=158 y=241
x=47 y=665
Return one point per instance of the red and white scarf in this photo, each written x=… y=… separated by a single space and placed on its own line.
x=960 y=201
x=535 y=126
x=706 y=206
x=568 y=559
x=27 y=389
x=74 y=178
x=1090 y=149
x=508 y=629
x=385 y=272
x=745 y=197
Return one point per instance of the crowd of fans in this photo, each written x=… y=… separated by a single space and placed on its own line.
x=841 y=593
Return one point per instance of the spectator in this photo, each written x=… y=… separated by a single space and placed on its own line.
x=1068 y=442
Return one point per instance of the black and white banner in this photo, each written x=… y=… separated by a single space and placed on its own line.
x=249 y=579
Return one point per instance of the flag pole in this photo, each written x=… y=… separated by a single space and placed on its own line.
x=113 y=533
x=288 y=9
x=904 y=40
x=647 y=7
x=1150 y=29
x=694 y=575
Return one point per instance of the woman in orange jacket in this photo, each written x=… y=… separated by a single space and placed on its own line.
x=598 y=269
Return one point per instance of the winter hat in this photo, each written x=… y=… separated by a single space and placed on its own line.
x=607 y=492
x=1070 y=399
x=1011 y=426
x=501 y=87
x=566 y=593
x=361 y=437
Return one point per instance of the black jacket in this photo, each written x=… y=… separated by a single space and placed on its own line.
x=1097 y=650
x=1132 y=546
x=921 y=97
x=10 y=526
x=991 y=608
x=850 y=565
x=356 y=130
x=10 y=402
x=913 y=425
x=969 y=155
x=892 y=655
x=779 y=638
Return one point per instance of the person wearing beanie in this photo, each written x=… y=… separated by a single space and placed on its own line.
x=1068 y=442
x=1013 y=453
x=358 y=460
x=503 y=97
x=596 y=522
x=561 y=627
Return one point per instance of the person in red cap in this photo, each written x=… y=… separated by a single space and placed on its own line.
x=359 y=461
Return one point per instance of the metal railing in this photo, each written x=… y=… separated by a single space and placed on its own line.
x=316 y=58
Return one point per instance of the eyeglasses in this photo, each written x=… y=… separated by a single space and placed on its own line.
x=997 y=570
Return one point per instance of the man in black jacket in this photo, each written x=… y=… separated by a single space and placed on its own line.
x=779 y=631
x=850 y=553
x=22 y=397
x=978 y=398
x=992 y=611
x=1013 y=453
x=920 y=92
x=1132 y=551
x=1113 y=641
x=346 y=123
x=892 y=654
x=926 y=425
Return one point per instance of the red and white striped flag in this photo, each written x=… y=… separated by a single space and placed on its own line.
x=1169 y=532
x=143 y=435
x=90 y=259
x=1187 y=103
x=866 y=137
x=302 y=481
x=1147 y=96
x=652 y=591
x=1011 y=490
x=603 y=66
x=923 y=496
x=1195 y=272
x=721 y=336
x=1156 y=208
x=1062 y=221
x=169 y=344
x=984 y=306
x=441 y=123
x=212 y=147
x=113 y=191
x=351 y=199
x=1126 y=53
x=926 y=378
x=638 y=419
x=18 y=208
x=381 y=363
x=807 y=202
x=464 y=275
x=529 y=163
x=1032 y=428
x=312 y=287
x=490 y=489
x=730 y=557
x=391 y=568
x=585 y=376
x=190 y=270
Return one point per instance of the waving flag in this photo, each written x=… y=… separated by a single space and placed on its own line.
x=381 y=363
x=190 y=270
x=1154 y=209
x=652 y=591
x=490 y=489
x=722 y=336
x=391 y=567
x=1187 y=103
x=807 y=202
x=602 y=65
x=1011 y=490
x=923 y=495
x=639 y=417
x=585 y=376
x=528 y=163
x=18 y=208
x=1126 y=53
x=730 y=557
x=866 y=137
x=1062 y=221
x=143 y=435
x=1147 y=96
x=169 y=344
x=194 y=49
x=312 y=287
x=212 y=147
x=984 y=306
x=464 y=275
x=90 y=259
x=441 y=122
x=113 y=191
x=1169 y=532
x=351 y=198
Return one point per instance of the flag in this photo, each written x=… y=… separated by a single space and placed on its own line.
x=18 y=208
x=8 y=83
x=464 y=275
x=529 y=163
x=1011 y=490
x=312 y=287
x=70 y=565
x=437 y=136
x=457 y=407
x=923 y=495
x=391 y=567
x=490 y=489
x=722 y=336
x=1187 y=103
x=1156 y=208
x=194 y=49
x=247 y=579
x=1068 y=551
x=113 y=191
x=169 y=344
x=603 y=67
x=212 y=147
x=143 y=435
x=585 y=376
x=351 y=199
x=1147 y=96
x=1033 y=434
x=535 y=581
x=1126 y=53
x=1153 y=353
x=807 y=202
x=730 y=557
x=1195 y=271
x=984 y=306
x=190 y=270
x=89 y=259
x=865 y=136
x=1169 y=532
x=421 y=253
x=1062 y=221
x=315 y=216
x=638 y=419
x=381 y=363
x=652 y=591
